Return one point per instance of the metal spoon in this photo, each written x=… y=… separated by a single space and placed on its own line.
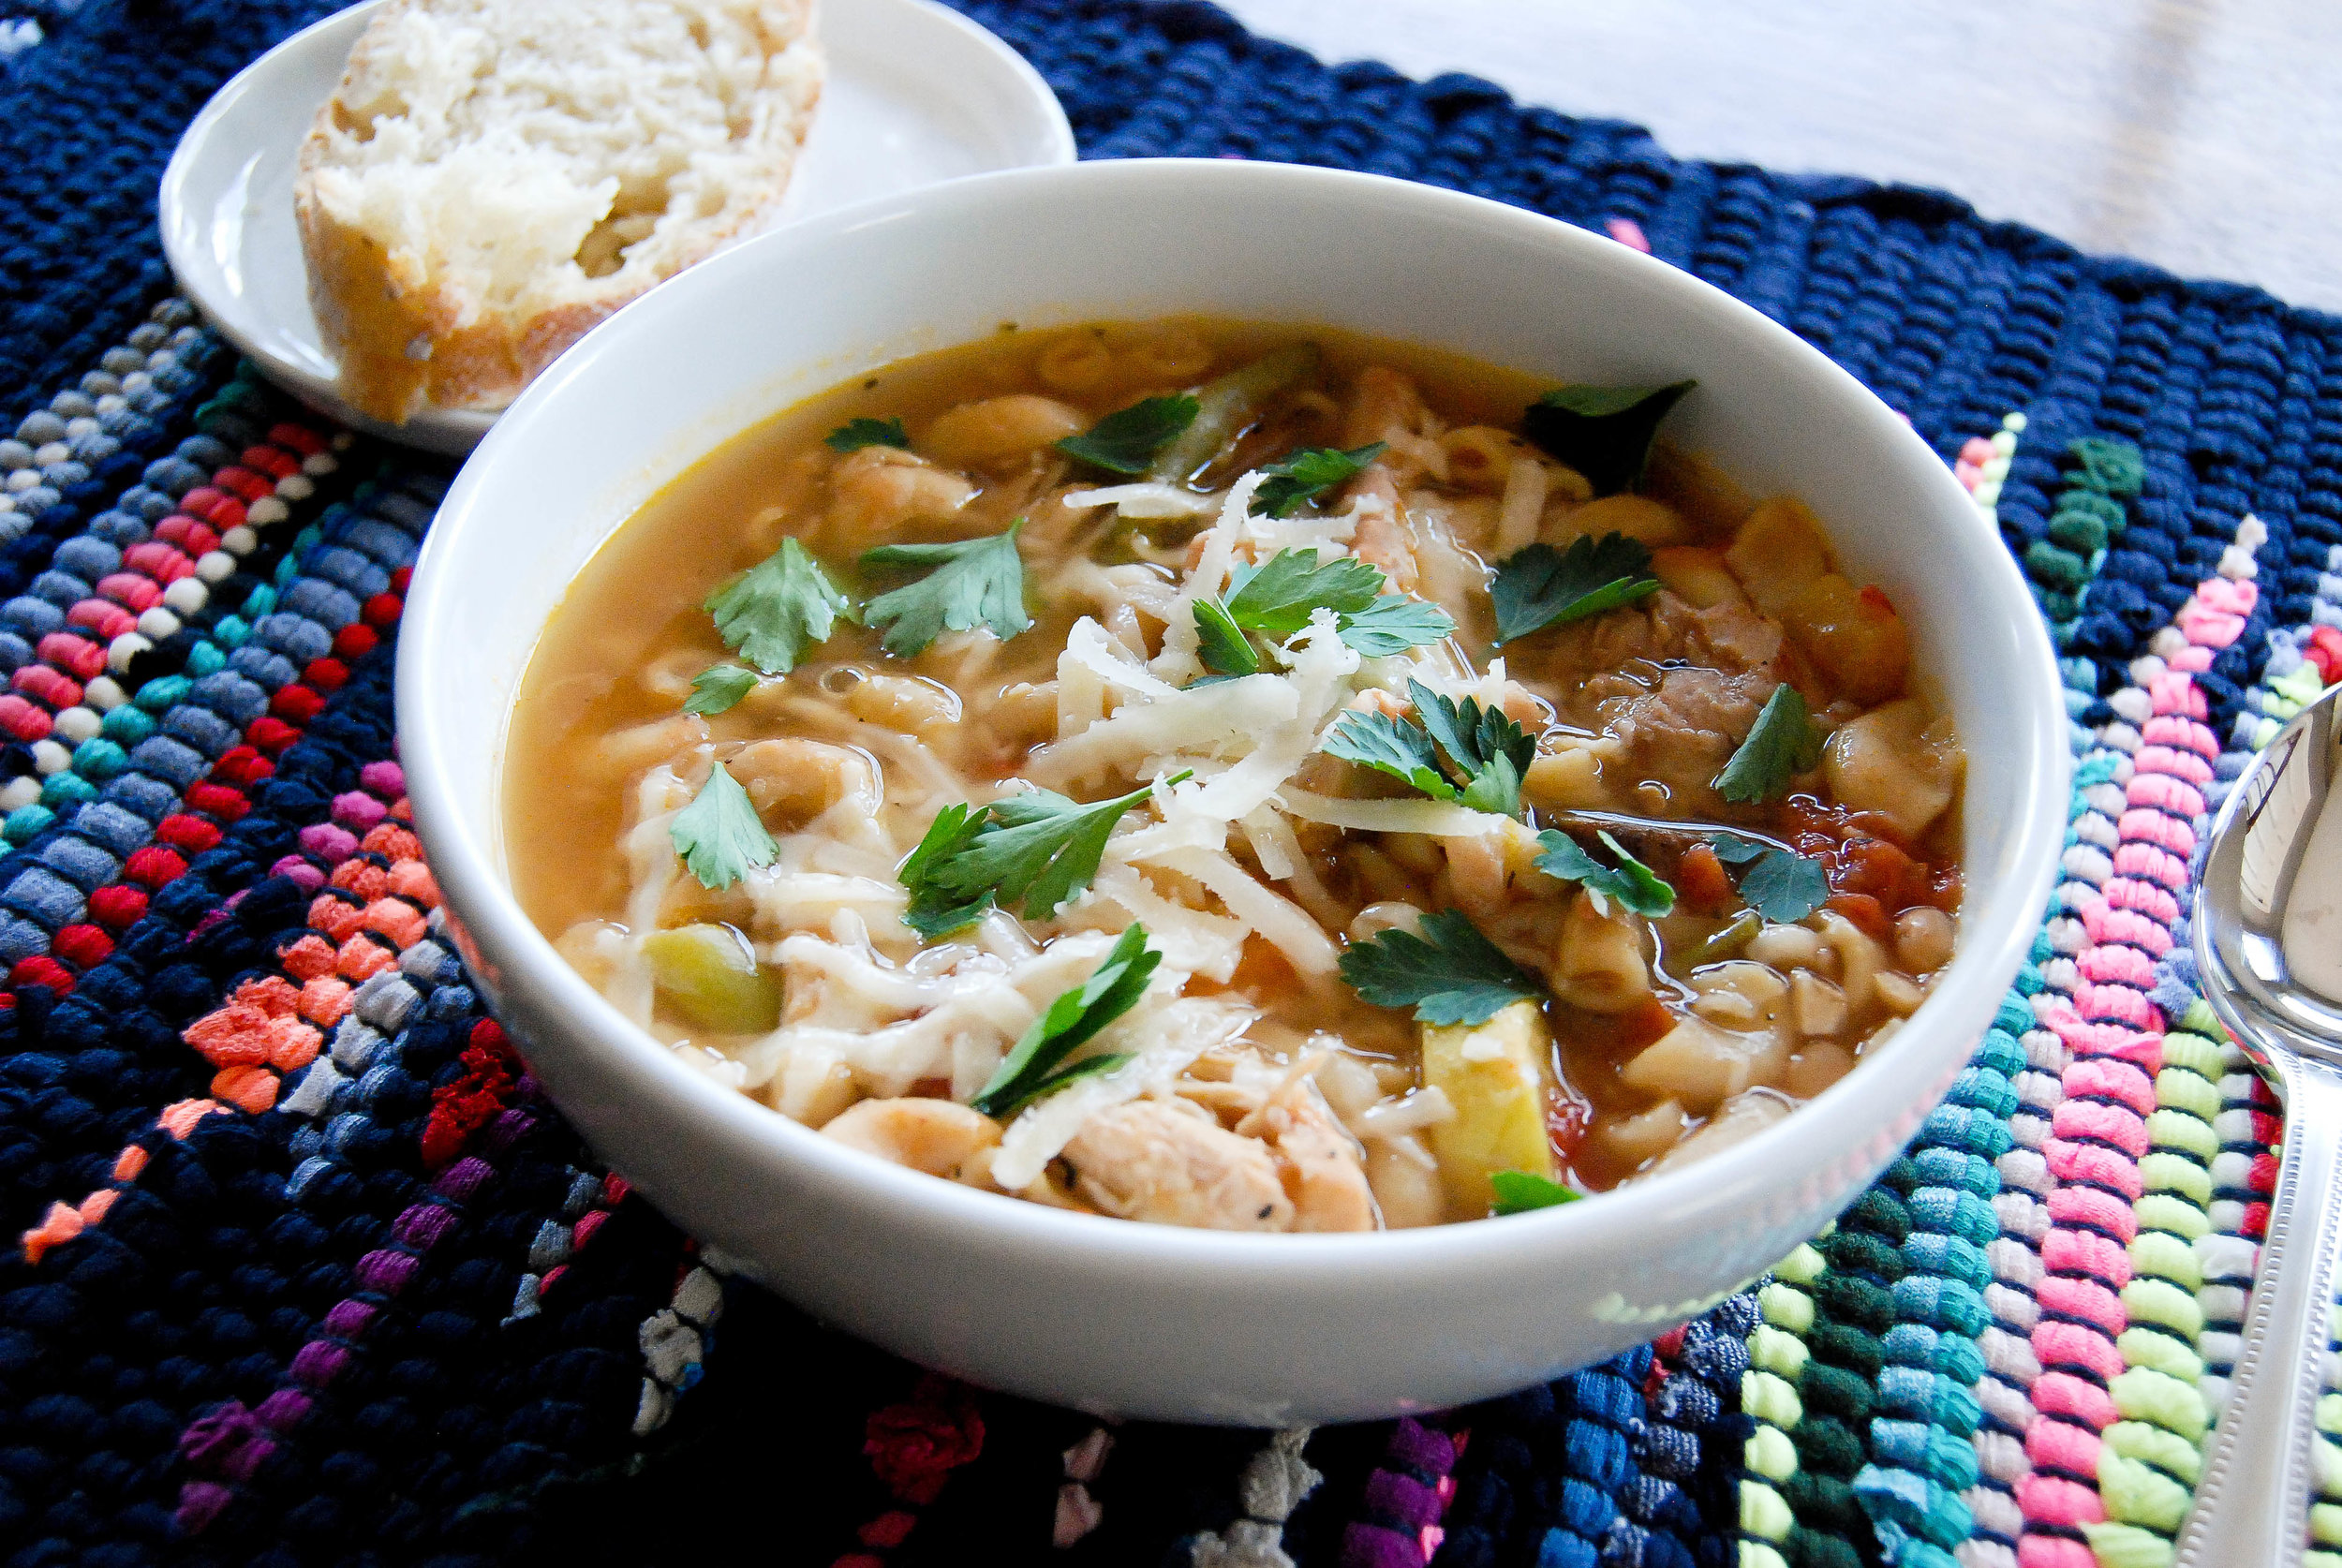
x=2268 y=936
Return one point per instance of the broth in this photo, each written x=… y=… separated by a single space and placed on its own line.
x=1602 y=1036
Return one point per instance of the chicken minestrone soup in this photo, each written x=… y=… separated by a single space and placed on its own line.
x=1239 y=777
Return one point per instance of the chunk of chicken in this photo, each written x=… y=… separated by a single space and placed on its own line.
x=879 y=492
x=941 y=1137
x=1383 y=540
x=1323 y=1166
x=1172 y=1162
x=1386 y=405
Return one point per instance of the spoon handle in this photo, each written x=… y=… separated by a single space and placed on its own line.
x=2252 y=1504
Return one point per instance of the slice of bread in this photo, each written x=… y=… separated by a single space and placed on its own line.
x=492 y=177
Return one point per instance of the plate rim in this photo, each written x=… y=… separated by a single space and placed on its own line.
x=456 y=430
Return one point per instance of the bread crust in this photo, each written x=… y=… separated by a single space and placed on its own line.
x=406 y=340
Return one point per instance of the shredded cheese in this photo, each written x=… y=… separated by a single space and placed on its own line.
x=1143 y=501
x=1219 y=720
x=1178 y=663
x=1162 y=1033
x=1438 y=818
x=1283 y=923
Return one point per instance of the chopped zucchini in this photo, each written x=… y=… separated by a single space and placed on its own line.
x=1226 y=404
x=707 y=974
x=1498 y=1076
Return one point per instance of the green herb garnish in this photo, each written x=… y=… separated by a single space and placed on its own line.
x=1633 y=886
x=1277 y=598
x=1220 y=643
x=1127 y=440
x=1488 y=751
x=1451 y=974
x=719 y=836
x=772 y=613
x=932 y=912
x=1782 y=744
x=1393 y=624
x=1392 y=745
x=855 y=434
x=976 y=582
x=1784 y=888
x=1542 y=587
x=1519 y=1192
x=1307 y=475
x=717 y=687
x=1030 y=1070
x=1604 y=433
x=1038 y=847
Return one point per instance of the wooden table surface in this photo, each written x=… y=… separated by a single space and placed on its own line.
x=2202 y=135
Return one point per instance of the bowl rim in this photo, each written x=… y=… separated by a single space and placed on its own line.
x=480 y=903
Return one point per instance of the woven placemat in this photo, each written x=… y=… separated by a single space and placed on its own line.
x=308 y=1273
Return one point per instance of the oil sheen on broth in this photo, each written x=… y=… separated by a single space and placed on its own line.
x=1523 y=817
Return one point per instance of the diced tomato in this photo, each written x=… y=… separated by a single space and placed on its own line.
x=1871 y=824
x=1878 y=868
x=1700 y=878
x=1868 y=915
x=1567 y=1120
x=1943 y=889
x=1874 y=598
x=1642 y=1025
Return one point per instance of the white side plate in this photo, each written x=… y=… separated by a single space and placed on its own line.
x=917 y=94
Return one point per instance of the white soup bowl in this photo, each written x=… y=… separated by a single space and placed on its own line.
x=1153 y=1321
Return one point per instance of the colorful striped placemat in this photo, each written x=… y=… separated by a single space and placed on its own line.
x=307 y=1272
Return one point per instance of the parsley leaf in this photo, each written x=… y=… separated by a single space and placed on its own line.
x=777 y=609
x=1451 y=974
x=1392 y=625
x=1307 y=475
x=855 y=434
x=1519 y=1192
x=1125 y=441
x=717 y=687
x=1071 y=1022
x=1781 y=742
x=1733 y=850
x=1219 y=642
x=932 y=912
x=1488 y=748
x=1634 y=885
x=1603 y=432
x=1038 y=847
x=1277 y=597
x=719 y=836
x=1785 y=888
x=975 y=580
x=1542 y=587
x=1391 y=745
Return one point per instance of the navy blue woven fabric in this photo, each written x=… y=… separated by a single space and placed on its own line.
x=394 y=1312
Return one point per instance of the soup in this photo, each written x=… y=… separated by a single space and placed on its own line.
x=1238 y=776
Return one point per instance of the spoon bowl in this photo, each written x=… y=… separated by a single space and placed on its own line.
x=2268 y=940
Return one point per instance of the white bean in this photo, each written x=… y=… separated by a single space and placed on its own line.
x=1923 y=938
